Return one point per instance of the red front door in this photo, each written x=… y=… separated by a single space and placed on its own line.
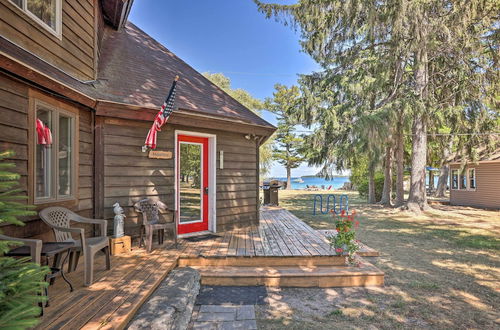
x=192 y=184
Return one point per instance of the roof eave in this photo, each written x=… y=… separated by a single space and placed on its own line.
x=182 y=117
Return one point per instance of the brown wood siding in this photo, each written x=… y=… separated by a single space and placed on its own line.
x=73 y=53
x=14 y=135
x=487 y=193
x=130 y=175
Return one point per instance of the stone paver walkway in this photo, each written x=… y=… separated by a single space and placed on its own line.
x=224 y=317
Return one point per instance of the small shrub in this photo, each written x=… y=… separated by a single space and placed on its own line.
x=362 y=186
x=21 y=281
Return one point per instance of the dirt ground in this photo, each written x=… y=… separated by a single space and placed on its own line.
x=442 y=271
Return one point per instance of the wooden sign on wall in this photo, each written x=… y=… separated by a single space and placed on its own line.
x=157 y=154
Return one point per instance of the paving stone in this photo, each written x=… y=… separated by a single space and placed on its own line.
x=216 y=316
x=205 y=326
x=218 y=309
x=245 y=312
x=234 y=295
x=246 y=324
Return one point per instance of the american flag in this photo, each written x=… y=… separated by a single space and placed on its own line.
x=161 y=118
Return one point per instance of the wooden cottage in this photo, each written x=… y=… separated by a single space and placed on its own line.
x=79 y=89
x=476 y=184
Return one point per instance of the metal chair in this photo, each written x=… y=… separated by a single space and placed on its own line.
x=59 y=218
x=149 y=210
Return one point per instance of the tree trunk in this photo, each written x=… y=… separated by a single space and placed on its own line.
x=371 y=187
x=431 y=181
x=387 y=191
x=443 y=180
x=400 y=166
x=417 y=200
x=288 y=178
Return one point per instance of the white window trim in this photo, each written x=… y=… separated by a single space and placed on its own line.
x=468 y=179
x=458 y=180
x=212 y=176
x=55 y=160
x=58 y=31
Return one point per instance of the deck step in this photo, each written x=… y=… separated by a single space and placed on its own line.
x=288 y=276
x=262 y=261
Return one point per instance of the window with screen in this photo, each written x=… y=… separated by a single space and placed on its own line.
x=472 y=178
x=54 y=154
x=454 y=179
x=463 y=180
x=45 y=12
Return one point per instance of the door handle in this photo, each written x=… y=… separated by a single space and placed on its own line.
x=206 y=190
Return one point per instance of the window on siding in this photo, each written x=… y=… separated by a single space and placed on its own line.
x=54 y=156
x=454 y=179
x=463 y=180
x=472 y=178
x=45 y=12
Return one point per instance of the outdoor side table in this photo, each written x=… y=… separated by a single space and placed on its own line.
x=49 y=249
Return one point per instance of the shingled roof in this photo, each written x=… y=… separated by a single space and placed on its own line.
x=136 y=69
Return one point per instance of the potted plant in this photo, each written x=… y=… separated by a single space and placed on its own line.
x=344 y=240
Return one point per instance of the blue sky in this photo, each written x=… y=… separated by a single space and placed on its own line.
x=232 y=37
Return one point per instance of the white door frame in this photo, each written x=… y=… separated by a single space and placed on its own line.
x=212 y=175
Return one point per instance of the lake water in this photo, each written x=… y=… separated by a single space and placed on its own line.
x=336 y=182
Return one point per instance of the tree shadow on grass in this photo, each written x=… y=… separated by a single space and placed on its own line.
x=437 y=275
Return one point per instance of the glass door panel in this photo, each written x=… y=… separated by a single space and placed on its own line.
x=190 y=187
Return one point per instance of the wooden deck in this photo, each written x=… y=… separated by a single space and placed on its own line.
x=279 y=234
x=279 y=246
x=113 y=298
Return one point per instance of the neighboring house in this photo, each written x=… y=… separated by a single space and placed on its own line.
x=476 y=184
x=81 y=71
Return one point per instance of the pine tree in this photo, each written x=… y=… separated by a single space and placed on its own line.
x=287 y=144
x=21 y=281
x=381 y=54
x=252 y=103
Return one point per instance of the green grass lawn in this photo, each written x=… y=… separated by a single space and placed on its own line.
x=442 y=271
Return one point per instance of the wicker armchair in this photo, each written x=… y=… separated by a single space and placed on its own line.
x=59 y=218
x=149 y=210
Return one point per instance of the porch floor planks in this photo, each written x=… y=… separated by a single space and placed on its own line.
x=299 y=234
x=116 y=294
x=72 y=310
x=279 y=233
x=113 y=299
x=285 y=235
x=314 y=239
x=61 y=299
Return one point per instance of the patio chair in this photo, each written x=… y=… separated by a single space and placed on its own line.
x=59 y=218
x=35 y=246
x=150 y=210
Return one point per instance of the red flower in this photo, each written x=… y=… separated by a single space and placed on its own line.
x=356 y=224
x=342 y=213
x=339 y=250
